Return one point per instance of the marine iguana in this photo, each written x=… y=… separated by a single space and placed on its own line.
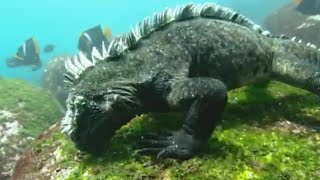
x=182 y=59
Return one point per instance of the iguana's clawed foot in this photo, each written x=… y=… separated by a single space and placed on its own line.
x=175 y=144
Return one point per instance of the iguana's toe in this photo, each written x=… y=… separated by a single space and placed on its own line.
x=176 y=144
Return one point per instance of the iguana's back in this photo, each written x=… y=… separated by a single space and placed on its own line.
x=199 y=47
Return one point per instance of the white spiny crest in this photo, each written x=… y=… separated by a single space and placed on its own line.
x=84 y=60
x=130 y=40
x=116 y=47
x=76 y=66
x=119 y=45
x=185 y=12
x=104 y=50
x=146 y=26
x=167 y=16
x=137 y=31
x=156 y=21
x=207 y=10
x=68 y=79
x=112 y=47
x=71 y=68
x=96 y=56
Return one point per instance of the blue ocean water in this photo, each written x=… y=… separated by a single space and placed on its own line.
x=60 y=22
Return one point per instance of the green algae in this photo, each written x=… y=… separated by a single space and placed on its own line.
x=269 y=131
x=34 y=107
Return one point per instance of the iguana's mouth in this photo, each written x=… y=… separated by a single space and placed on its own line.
x=88 y=122
x=69 y=121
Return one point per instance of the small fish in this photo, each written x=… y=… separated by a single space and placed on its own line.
x=27 y=54
x=94 y=37
x=49 y=48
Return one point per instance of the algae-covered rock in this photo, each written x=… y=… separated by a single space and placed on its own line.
x=25 y=111
x=269 y=131
x=53 y=78
x=291 y=22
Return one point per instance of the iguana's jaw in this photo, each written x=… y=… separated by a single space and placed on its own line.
x=89 y=123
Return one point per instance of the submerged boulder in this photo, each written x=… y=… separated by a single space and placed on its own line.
x=292 y=20
x=25 y=111
x=53 y=78
x=269 y=131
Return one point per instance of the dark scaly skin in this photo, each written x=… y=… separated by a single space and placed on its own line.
x=187 y=66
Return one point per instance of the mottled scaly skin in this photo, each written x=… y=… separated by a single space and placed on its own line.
x=187 y=66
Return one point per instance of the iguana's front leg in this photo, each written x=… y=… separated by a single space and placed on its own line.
x=204 y=100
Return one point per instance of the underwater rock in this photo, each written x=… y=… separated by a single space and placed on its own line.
x=310 y=7
x=268 y=132
x=25 y=111
x=289 y=21
x=53 y=78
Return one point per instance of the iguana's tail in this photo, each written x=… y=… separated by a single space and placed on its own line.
x=297 y=63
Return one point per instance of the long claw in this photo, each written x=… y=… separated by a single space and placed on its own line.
x=167 y=144
x=174 y=152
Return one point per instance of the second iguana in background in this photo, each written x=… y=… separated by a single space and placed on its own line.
x=182 y=59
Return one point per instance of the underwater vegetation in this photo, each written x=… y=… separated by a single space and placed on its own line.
x=269 y=131
x=25 y=112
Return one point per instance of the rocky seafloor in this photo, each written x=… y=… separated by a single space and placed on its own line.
x=53 y=78
x=25 y=112
x=269 y=131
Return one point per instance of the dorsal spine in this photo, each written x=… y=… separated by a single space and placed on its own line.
x=79 y=64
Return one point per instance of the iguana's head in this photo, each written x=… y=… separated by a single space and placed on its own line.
x=93 y=116
x=101 y=96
